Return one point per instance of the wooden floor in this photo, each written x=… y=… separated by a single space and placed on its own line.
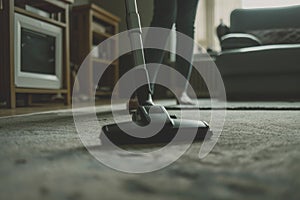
x=36 y=108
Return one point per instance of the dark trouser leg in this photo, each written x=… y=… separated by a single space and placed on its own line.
x=164 y=16
x=186 y=13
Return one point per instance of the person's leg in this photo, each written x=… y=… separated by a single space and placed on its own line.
x=186 y=14
x=164 y=16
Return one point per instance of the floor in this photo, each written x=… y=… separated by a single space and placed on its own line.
x=5 y=112
x=203 y=104
x=256 y=157
x=42 y=107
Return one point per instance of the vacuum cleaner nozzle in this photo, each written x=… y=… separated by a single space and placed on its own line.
x=153 y=125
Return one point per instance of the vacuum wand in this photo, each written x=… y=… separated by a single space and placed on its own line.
x=135 y=34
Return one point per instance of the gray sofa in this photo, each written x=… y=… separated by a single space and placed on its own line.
x=260 y=58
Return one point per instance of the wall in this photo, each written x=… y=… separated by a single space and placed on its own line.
x=201 y=24
x=208 y=18
x=222 y=10
x=117 y=7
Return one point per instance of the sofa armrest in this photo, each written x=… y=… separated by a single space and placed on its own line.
x=239 y=40
x=261 y=60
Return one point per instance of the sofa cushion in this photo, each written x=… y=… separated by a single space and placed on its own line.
x=239 y=40
x=278 y=36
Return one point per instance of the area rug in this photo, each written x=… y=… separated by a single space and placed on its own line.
x=207 y=104
x=256 y=157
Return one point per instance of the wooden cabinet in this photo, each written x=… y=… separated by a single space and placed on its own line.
x=91 y=25
x=58 y=16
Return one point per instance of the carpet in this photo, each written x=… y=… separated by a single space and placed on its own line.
x=256 y=157
x=206 y=104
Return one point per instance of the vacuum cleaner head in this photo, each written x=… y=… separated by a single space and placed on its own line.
x=153 y=125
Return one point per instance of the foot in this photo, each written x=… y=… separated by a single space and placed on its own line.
x=132 y=105
x=184 y=99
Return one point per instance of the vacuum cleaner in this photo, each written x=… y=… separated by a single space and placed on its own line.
x=148 y=117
